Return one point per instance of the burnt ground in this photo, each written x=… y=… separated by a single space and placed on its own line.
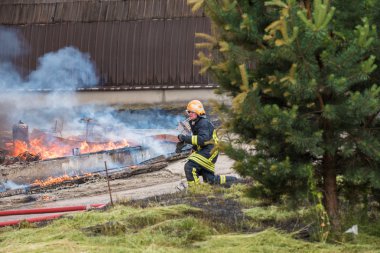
x=223 y=213
x=216 y=209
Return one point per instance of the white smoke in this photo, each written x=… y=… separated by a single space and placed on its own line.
x=62 y=72
x=10 y=185
x=12 y=44
x=57 y=72
x=8 y=75
x=65 y=69
x=11 y=47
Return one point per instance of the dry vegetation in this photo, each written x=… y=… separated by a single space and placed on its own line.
x=224 y=220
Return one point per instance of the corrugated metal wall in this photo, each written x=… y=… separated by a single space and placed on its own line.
x=42 y=12
x=136 y=44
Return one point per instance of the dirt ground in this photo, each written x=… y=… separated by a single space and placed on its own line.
x=96 y=192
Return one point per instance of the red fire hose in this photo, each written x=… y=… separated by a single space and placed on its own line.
x=49 y=210
x=36 y=219
x=43 y=210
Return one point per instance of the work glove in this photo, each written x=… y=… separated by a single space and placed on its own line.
x=181 y=137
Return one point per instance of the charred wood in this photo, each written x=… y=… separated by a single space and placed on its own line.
x=157 y=159
x=24 y=157
x=12 y=192
x=138 y=169
x=151 y=165
x=177 y=156
x=126 y=172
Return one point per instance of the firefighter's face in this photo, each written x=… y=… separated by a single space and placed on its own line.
x=192 y=115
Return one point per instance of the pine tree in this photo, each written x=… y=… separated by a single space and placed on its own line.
x=302 y=76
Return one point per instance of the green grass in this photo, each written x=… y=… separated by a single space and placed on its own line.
x=274 y=213
x=175 y=228
x=272 y=240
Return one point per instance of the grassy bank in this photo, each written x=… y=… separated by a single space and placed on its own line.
x=221 y=221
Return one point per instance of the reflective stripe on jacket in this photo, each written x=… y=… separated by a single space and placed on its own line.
x=203 y=139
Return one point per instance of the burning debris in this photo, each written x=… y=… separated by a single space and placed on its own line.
x=50 y=146
x=75 y=169
x=40 y=145
x=55 y=180
x=24 y=157
x=66 y=181
x=10 y=155
x=67 y=154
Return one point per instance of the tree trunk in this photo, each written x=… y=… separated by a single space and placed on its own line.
x=330 y=191
x=308 y=8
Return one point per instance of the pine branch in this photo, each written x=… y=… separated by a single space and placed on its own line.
x=370 y=119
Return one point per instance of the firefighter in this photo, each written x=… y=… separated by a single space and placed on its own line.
x=203 y=158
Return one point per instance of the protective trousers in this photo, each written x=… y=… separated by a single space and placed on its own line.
x=193 y=171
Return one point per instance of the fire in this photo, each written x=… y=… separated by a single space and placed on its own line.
x=56 y=180
x=8 y=145
x=95 y=147
x=53 y=180
x=52 y=147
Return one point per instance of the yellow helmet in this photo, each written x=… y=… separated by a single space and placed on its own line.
x=195 y=106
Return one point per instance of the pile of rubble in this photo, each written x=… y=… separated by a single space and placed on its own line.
x=25 y=157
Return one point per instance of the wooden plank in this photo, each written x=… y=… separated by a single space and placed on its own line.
x=138 y=169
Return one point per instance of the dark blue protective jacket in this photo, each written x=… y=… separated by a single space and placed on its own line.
x=203 y=140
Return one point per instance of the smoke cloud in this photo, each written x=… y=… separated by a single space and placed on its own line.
x=105 y=123
x=62 y=71
x=8 y=75
x=65 y=69
x=12 y=44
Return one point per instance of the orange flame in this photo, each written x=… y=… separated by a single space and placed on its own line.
x=56 y=180
x=53 y=180
x=54 y=147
